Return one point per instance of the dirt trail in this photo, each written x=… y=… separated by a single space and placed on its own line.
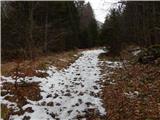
x=69 y=93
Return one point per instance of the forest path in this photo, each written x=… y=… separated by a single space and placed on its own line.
x=69 y=93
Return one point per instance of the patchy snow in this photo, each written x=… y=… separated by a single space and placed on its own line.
x=131 y=94
x=109 y=67
x=73 y=91
x=6 y=79
x=8 y=103
x=114 y=64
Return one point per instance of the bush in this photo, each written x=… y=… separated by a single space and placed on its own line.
x=149 y=55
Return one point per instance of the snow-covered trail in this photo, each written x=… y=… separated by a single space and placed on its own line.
x=69 y=93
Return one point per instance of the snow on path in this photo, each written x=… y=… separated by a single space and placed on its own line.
x=73 y=91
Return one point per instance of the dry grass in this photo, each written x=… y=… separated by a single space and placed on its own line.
x=20 y=94
x=5 y=112
x=59 y=60
x=23 y=91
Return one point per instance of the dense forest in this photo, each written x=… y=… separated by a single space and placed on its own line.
x=30 y=29
x=132 y=22
x=59 y=62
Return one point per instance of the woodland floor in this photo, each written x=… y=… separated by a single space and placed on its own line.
x=85 y=84
x=131 y=90
x=65 y=94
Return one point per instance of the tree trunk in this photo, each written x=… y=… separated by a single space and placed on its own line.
x=46 y=32
x=154 y=22
x=31 y=32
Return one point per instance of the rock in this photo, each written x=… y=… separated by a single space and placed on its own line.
x=88 y=104
x=67 y=90
x=82 y=85
x=77 y=83
x=43 y=103
x=42 y=75
x=49 y=95
x=79 y=117
x=58 y=104
x=67 y=94
x=50 y=104
x=74 y=79
x=81 y=93
x=47 y=112
x=69 y=112
x=62 y=91
x=3 y=93
x=94 y=94
x=95 y=87
x=71 y=86
x=78 y=74
x=76 y=104
x=80 y=101
x=26 y=118
x=29 y=109
x=52 y=115
x=51 y=85
x=12 y=105
x=73 y=105
x=76 y=92
x=55 y=95
x=91 y=112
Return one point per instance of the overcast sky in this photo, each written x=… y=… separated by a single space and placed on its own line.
x=101 y=8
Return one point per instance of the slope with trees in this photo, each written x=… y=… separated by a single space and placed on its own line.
x=30 y=29
x=132 y=23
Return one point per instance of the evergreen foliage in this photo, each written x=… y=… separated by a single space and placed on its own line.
x=32 y=28
x=133 y=22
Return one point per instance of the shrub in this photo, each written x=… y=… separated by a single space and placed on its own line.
x=150 y=54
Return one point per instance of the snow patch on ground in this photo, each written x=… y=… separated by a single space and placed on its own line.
x=131 y=94
x=115 y=64
x=109 y=67
x=72 y=91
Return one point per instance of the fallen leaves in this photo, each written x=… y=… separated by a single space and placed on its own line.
x=19 y=95
x=135 y=94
